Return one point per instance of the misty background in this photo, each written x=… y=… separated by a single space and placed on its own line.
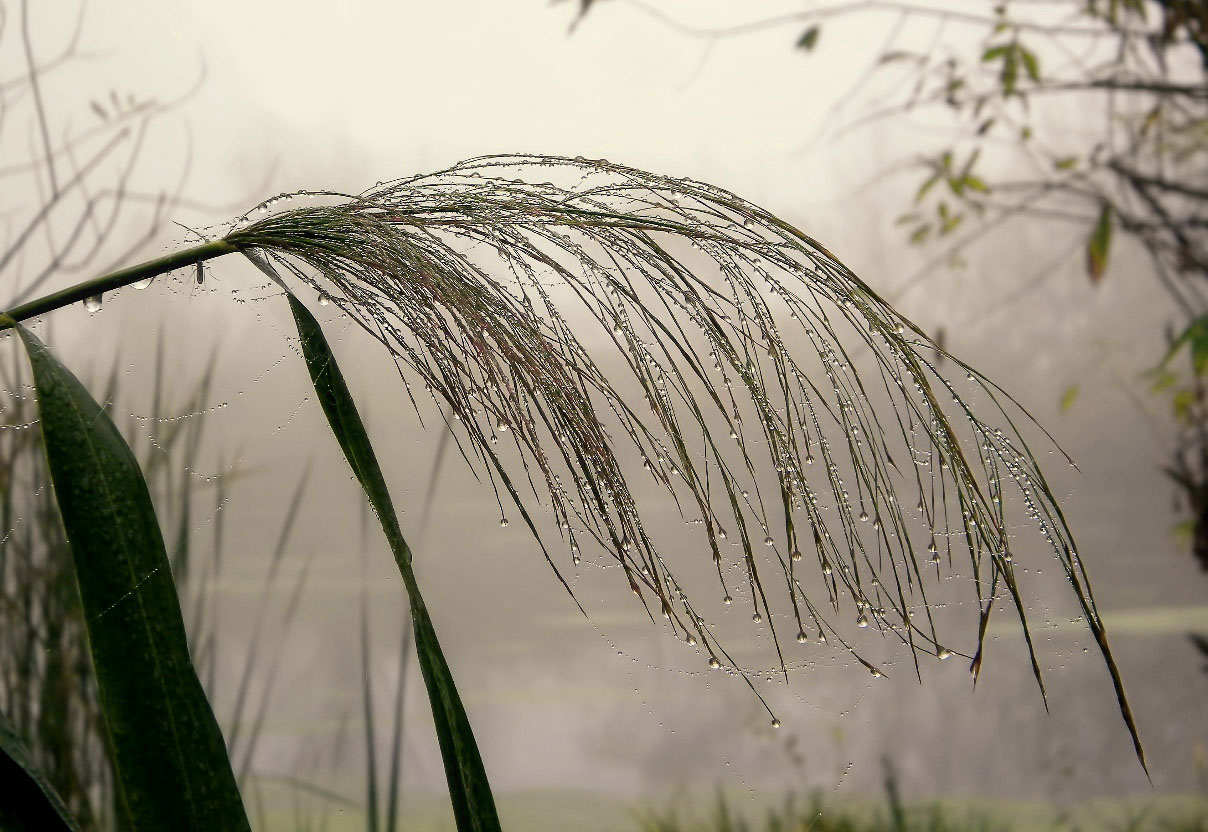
x=279 y=96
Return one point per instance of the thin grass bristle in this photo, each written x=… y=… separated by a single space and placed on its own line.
x=743 y=336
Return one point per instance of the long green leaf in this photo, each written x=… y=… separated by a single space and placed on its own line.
x=469 y=790
x=29 y=802
x=1098 y=245
x=171 y=760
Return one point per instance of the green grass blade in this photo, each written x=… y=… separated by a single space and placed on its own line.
x=469 y=790
x=171 y=759
x=29 y=802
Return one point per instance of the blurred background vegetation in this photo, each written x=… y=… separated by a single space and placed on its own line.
x=1080 y=124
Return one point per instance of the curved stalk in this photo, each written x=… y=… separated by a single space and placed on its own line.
x=118 y=279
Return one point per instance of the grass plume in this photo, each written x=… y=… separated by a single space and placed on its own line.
x=830 y=460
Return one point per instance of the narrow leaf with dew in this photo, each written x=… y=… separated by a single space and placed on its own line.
x=469 y=788
x=168 y=749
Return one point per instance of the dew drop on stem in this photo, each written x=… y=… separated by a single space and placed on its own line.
x=93 y=302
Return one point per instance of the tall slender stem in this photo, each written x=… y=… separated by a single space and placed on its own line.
x=118 y=279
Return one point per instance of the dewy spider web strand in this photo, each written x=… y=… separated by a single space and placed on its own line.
x=498 y=343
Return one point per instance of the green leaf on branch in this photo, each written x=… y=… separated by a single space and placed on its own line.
x=1195 y=338
x=1031 y=64
x=469 y=789
x=1098 y=245
x=170 y=756
x=1162 y=380
x=1069 y=397
x=809 y=39
x=973 y=183
x=1010 y=72
x=927 y=185
x=1183 y=401
x=30 y=803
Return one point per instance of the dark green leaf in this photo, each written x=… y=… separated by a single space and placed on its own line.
x=809 y=39
x=1031 y=64
x=29 y=803
x=995 y=52
x=469 y=790
x=169 y=752
x=1010 y=72
x=1098 y=245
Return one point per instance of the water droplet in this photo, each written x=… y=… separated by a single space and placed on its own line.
x=727 y=600
x=714 y=663
x=503 y=522
x=862 y=621
x=864 y=517
x=826 y=569
x=801 y=637
x=943 y=653
x=767 y=541
x=324 y=300
x=775 y=722
x=796 y=554
x=142 y=284
x=502 y=426
x=691 y=640
x=93 y=303
x=757 y=618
